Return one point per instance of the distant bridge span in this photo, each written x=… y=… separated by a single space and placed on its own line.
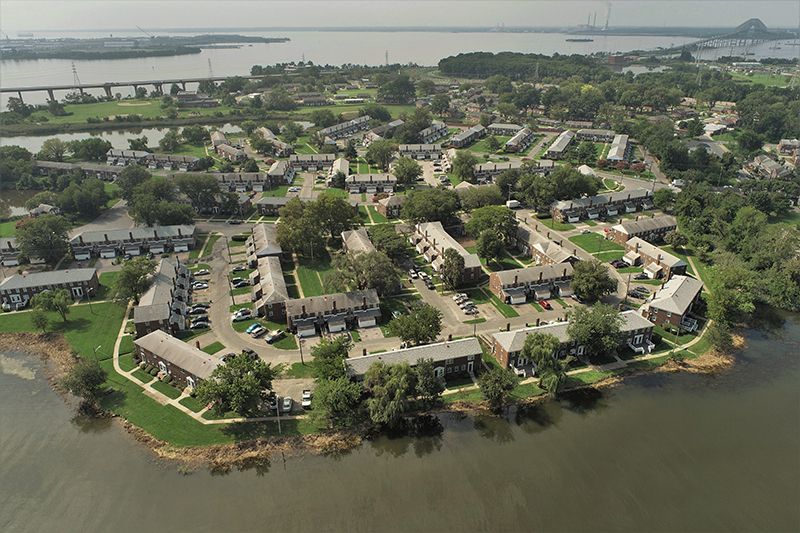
x=108 y=86
x=752 y=31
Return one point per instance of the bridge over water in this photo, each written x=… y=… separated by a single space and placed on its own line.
x=747 y=34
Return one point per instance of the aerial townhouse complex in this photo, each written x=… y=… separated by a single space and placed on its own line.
x=520 y=141
x=437 y=130
x=223 y=148
x=333 y=313
x=540 y=282
x=186 y=364
x=279 y=148
x=346 y=129
x=370 y=183
x=558 y=148
x=163 y=306
x=269 y=293
x=451 y=359
x=134 y=241
x=650 y=229
x=506 y=346
x=420 y=151
x=657 y=263
x=311 y=162
x=467 y=137
x=673 y=302
x=16 y=291
x=431 y=240
x=263 y=243
x=601 y=205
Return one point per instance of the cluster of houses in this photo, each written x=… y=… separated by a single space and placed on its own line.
x=279 y=148
x=604 y=204
x=17 y=291
x=620 y=150
x=133 y=241
x=165 y=304
x=431 y=240
x=534 y=283
x=223 y=147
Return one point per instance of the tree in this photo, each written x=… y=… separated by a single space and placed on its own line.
x=400 y=91
x=202 y=190
x=139 y=144
x=429 y=387
x=376 y=112
x=44 y=197
x=719 y=335
x=363 y=270
x=664 y=199
x=239 y=384
x=464 y=165
x=497 y=219
x=339 y=179
x=489 y=246
x=57 y=300
x=196 y=134
x=485 y=120
x=53 y=150
x=507 y=110
x=750 y=142
x=84 y=379
x=452 y=269
x=676 y=239
x=39 y=320
x=422 y=326
x=85 y=199
x=492 y=143
x=134 y=278
x=291 y=131
x=328 y=359
x=598 y=329
x=507 y=182
x=296 y=231
x=390 y=387
x=474 y=198
x=425 y=87
x=387 y=240
x=430 y=205
x=406 y=170
x=495 y=385
x=591 y=280
x=16 y=105
x=541 y=349
x=440 y=104
x=333 y=213
x=380 y=153
x=587 y=151
x=251 y=165
x=694 y=127
x=141 y=93
x=129 y=179
x=336 y=401
x=248 y=126
x=169 y=142
x=322 y=118
x=350 y=152
x=44 y=236
x=93 y=149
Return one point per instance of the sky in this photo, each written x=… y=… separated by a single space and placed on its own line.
x=61 y=15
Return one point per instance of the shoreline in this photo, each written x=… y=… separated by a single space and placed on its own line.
x=58 y=357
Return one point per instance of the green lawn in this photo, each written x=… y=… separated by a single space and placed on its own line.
x=377 y=217
x=293 y=291
x=608 y=256
x=364 y=214
x=792 y=217
x=142 y=376
x=557 y=226
x=192 y=403
x=289 y=342
x=309 y=281
x=241 y=290
x=505 y=309
x=126 y=345
x=7 y=228
x=126 y=362
x=108 y=286
x=167 y=390
x=210 y=246
x=594 y=243
x=214 y=347
x=298 y=370
x=83 y=330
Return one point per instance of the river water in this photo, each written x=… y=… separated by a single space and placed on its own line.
x=667 y=452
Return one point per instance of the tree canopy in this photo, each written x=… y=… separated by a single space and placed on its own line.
x=422 y=326
x=363 y=270
x=591 y=280
x=45 y=236
x=452 y=269
x=431 y=205
x=238 y=385
x=598 y=329
x=57 y=300
x=134 y=278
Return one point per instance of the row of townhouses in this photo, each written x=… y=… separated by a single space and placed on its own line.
x=164 y=305
x=279 y=148
x=346 y=129
x=540 y=282
x=604 y=204
x=650 y=229
x=657 y=263
x=431 y=240
x=16 y=291
x=133 y=241
x=121 y=158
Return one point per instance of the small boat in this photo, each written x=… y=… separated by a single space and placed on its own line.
x=580 y=40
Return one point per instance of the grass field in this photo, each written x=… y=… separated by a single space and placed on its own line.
x=7 y=228
x=84 y=330
x=764 y=79
x=594 y=243
x=214 y=347
x=377 y=217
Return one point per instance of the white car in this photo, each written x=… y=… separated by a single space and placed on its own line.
x=258 y=331
x=202 y=272
x=199 y=286
x=241 y=317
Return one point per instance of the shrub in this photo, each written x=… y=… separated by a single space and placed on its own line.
x=153 y=371
x=239 y=238
x=656 y=339
x=141 y=364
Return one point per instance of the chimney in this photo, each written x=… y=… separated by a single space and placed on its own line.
x=659 y=259
x=197 y=343
x=565 y=273
x=537 y=322
x=450 y=337
x=515 y=279
x=548 y=234
x=540 y=275
x=364 y=353
x=106 y=236
x=570 y=205
x=591 y=201
x=652 y=215
x=155 y=234
x=80 y=238
x=637 y=247
x=130 y=233
x=575 y=251
x=629 y=196
x=304 y=309
x=334 y=305
x=508 y=326
x=179 y=232
x=637 y=218
x=364 y=301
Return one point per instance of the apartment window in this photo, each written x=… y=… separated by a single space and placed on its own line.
x=669 y=314
x=470 y=358
x=463 y=367
x=449 y=370
x=449 y=361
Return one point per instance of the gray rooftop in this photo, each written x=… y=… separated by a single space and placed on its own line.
x=133 y=234
x=434 y=232
x=544 y=273
x=41 y=279
x=265 y=241
x=357 y=239
x=603 y=199
x=322 y=304
x=646 y=224
x=273 y=285
x=677 y=294
x=650 y=250
x=512 y=341
x=439 y=352
x=179 y=353
x=162 y=284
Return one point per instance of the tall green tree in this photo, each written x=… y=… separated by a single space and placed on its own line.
x=452 y=269
x=201 y=189
x=489 y=246
x=422 y=326
x=429 y=387
x=498 y=219
x=239 y=384
x=39 y=320
x=92 y=149
x=84 y=379
x=129 y=179
x=464 y=165
x=53 y=150
x=390 y=387
x=380 y=153
x=495 y=385
x=57 y=300
x=134 y=278
x=387 y=240
x=363 y=270
x=591 y=280
x=406 y=170
x=333 y=213
x=328 y=358
x=541 y=349
x=45 y=236
x=440 y=104
x=598 y=329
x=336 y=401
x=431 y=205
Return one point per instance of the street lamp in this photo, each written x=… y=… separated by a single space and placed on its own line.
x=300 y=343
x=95 y=352
x=89 y=297
x=278 y=411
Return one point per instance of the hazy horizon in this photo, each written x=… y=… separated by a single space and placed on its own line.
x=199 y=15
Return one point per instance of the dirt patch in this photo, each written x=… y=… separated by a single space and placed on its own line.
x=111 y=117
x=130 y=104
x=52 y=348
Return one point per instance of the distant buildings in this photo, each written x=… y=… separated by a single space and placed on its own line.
x=163 y=306
x=431 y=240
x=311 y=162
x=357 y=240
x=650 y=229
x=557 y=149
x=269 y=293
x=603 y=204
x=468 y=137
x=263 y=243
x=390 y=206
x=134 y=241
x=346 y=129
x=420 y=151
x=451 y=359
x=370 y=183
x=17 y=290
x=520 y=141
x=333 y=313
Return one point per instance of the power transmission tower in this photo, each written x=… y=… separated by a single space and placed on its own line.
x=75 y=79
x=387 y=58
x=210 y=70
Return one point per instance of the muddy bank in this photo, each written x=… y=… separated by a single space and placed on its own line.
x=51 y=348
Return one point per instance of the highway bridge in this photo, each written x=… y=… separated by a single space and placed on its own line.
x=747 y=34
x=108 y=86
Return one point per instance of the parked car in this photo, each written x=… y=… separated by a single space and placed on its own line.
x=251 y=327
x=621 y=264
x=198 y=311
x=274 y=336
x=640 y=276
x=240 y=284
x=430 y=285
x=585 y=231
x=229 y=355
x=423 y=275
x=241 y=318
x=456 y=297
x=150 y=255
x=273 y=399
x=202 y=272
x=287 y=404
x=465 y=304
x=237 y=279
x=471 y=311
x=252 y=353
x=238 y=268
x=199 y=286
x=127 y=257
x=546 y=305
x=643 y=290
x=200 y=325
x=204 y=305
x=634 y=294
x=575 y=297
x=235 y=222
x=306 y=399
x=257 y=332
x=396 y=314
x=412 y=274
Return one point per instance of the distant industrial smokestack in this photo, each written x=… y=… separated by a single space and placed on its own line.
x=608 y=14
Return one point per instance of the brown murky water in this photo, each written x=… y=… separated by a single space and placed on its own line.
x=660 y=453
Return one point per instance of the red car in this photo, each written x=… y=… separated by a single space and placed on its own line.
x=546 y=305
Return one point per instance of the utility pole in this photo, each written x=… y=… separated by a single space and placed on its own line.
x=89 y=297
x=95 y=352
x=300 y=344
